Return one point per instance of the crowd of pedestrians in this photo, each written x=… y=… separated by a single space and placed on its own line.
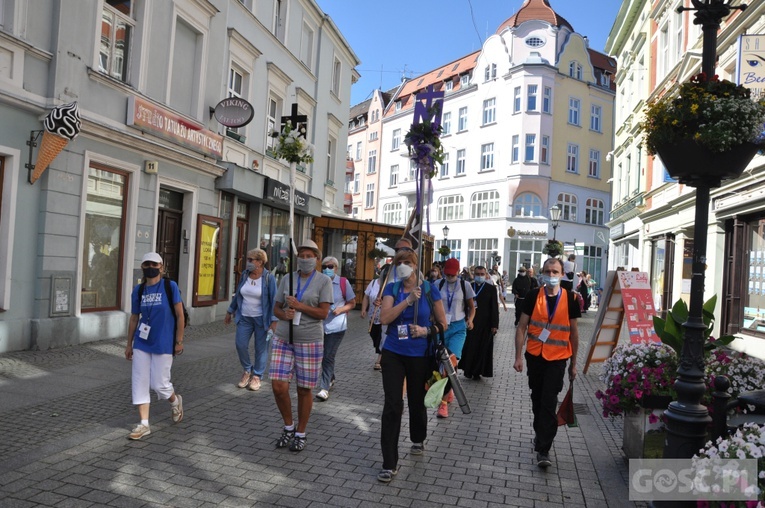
x=300 y=317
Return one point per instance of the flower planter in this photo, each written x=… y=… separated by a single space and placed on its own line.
x=641 y=438
x=696 y=165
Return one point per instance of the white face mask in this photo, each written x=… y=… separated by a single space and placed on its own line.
x=306 y=265
x=404 y=271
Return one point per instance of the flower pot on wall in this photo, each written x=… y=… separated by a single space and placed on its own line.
x=696 y=165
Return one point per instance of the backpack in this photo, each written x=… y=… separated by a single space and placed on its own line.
x=168 y=292
x=464 y=294
x=343 y=286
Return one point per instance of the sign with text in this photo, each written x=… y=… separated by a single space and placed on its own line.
x=280 y=193
x=234 y=112
x=751 y=64
x=638 y=306
x=207 y=256
x=163 y=123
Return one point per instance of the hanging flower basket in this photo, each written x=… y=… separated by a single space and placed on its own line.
x=707 y=133
x=444 y=250
x=424 y=143
x=553 y=248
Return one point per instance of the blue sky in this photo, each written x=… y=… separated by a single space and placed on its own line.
x=419 y=35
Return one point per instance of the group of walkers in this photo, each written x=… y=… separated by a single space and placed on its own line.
x=301 y=321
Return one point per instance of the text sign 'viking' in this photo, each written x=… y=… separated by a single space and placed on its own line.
x=234 y=112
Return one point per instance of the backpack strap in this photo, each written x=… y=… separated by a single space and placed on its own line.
x=169 y=294
x=343 y=287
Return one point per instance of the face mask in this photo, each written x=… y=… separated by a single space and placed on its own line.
x=479 y=279
x=522 y=274
x=250 y=267
x=550 y=281
x=306 y=265
x=150 y=272
x=329 y=272
x=404 y=271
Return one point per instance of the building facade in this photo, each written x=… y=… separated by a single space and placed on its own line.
x=527 y=123
x=153 y=169
x=652 y=221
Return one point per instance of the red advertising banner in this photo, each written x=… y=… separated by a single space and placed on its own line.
x=148 y=117
x=638 y=306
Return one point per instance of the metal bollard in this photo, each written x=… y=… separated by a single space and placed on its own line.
x=720 y=399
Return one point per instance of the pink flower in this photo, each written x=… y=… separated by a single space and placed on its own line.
x=638 y=394
x=652 y=418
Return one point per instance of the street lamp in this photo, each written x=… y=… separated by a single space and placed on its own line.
x=554 y=218
x=687 y=418
x=445 y=230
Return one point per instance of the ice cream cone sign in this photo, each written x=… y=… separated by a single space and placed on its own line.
x=61 y=126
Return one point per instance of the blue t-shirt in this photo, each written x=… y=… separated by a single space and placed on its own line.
x=158 y=314
x=409 y=346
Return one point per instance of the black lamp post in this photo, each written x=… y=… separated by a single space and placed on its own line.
x=687 y=418
x=554 y=218
x=446 y=236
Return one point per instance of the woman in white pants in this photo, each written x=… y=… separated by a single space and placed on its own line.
x=155 y=335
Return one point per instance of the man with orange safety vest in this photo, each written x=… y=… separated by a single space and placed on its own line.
x=549 y=316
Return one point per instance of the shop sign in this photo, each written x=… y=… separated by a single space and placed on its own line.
x=163 y=123
x=234 y=112
x=751 y=72
x=280 y=193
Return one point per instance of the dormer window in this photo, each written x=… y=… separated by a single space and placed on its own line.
x=398 y=105
x=575 y=70
x=464 y=80
x=449 y=85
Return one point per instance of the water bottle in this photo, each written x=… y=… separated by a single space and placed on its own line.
x=269 y=335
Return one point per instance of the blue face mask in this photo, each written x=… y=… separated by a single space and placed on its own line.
x=550 y=281
x=479 y=279
x=329 y=272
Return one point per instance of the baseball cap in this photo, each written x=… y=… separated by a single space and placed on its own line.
x=452 y=266
x=151 y=257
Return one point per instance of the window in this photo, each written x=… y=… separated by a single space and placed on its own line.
x=355 y=213
x=531 y=141
x=481 y=251
x=490 y=72
x=104 y=241
x=116 y=31
x=460 y=162
x=464 y=80
x=515 y=150
x=516 y=99
x=534 y=42
x=306 y=46
x=451 y=207
x=663 y=51
x=487 y=156
x=531 y=98
x=572 y=159
x=235 y=86
x=412 y=171
x=527 y=205
x=396 y=143
x=594 y=168
x=373 y=136
x=280 y=19
x=358 y=151
x=446 y=123
x=573 y=111
x=484 y=205
x=547 y=100
x=592 y=261
x=348 y=152
x=337 y=71
x=449 y=85
x=372 y=162
x=575 y=70
x=489 y=111
x=462 y=122
x=186 y=69
x=357 y=183
x=544 y=150
x=594 y=212
x=398 y=106
x=393 y=214
x=273 y=120
x=394 y=175
x=677 y=21
x=331 y=144
x=567 y=204
x=595 y=115
x=445 y=166
x=369 y=199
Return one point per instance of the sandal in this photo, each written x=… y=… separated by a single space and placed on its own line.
x=298 y=444
x=286 y=438
x=378 y=366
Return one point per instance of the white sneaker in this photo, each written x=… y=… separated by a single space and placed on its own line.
x=323 y=395
x=139 y=431
x=177 y=409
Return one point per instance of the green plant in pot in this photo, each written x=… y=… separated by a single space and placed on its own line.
x=672 y=333
x=553 y=248
x=444 y=250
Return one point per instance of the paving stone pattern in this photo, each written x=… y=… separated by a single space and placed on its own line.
x=69 y=446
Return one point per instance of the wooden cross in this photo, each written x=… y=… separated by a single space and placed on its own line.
x=298 y=121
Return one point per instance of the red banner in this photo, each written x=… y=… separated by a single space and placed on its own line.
x=638 y=306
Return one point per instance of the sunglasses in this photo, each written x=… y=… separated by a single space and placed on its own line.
x=327 y=266
x=252 y=259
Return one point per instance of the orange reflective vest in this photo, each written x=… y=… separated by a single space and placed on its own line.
x=558 y=345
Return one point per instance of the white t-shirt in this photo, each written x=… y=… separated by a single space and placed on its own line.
x=372 y=291
x=454 y=300
x=252 y=292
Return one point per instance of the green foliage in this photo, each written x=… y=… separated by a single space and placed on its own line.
x=672 y=333
x=377 y=254
x=553 y=248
